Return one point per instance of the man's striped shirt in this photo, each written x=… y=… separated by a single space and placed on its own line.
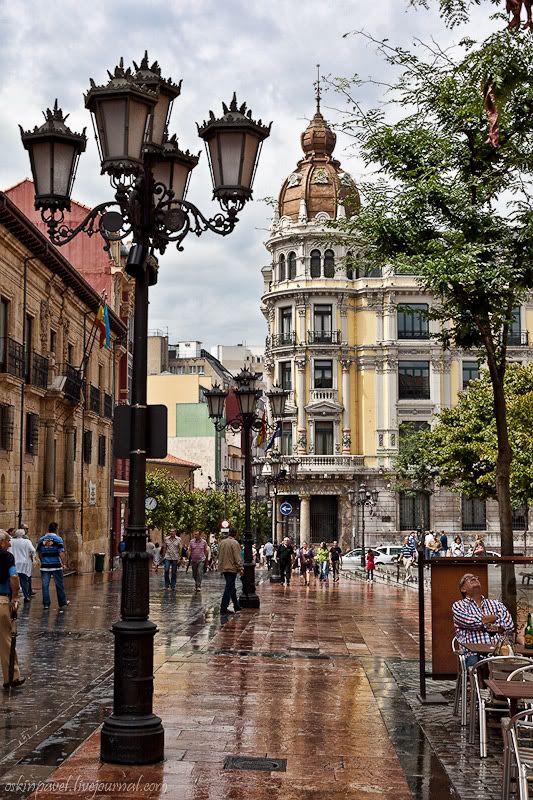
x=469 y=629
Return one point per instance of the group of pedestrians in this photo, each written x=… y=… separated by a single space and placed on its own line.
x=319 y=563
x=197 y=556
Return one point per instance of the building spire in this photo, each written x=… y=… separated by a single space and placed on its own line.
x=318 y=89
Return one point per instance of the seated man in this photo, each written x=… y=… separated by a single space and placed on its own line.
x=478 y=620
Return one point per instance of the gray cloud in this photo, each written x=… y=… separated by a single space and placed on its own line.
x=265 y=51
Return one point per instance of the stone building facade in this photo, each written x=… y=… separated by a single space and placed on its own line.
x=355 y=352
x=55 y=450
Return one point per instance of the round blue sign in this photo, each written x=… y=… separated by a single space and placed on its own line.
x=285 y=509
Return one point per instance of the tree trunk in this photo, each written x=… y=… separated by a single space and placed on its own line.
x=503 y=474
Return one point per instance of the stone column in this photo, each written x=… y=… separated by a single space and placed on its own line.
x=69 y=464
x=346 y=428
x=49 y=461
x=300 y=401
x=305 y=519
x=343 y=311
x=436 y=370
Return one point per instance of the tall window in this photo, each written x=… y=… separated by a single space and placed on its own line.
x=3 y=329
x=70 y=354
x=285 y=318
x=6 y=426
x=32 y=434
x=351 y=267
x=53 y=340
x=285 y=375
x=322 y=316
x=87 y=446
x=414 y=511
x=474 y=514
x=28 y=345
x=101 y=451
x=413 y=380
x=323 y=374
x=324 y=438
x=520 y=519
x=329 y=264
x=314 y=266
x=470 y=372
x=286 y=438
x=282 y=267
x=412 y=322
x=409 y=427
x=515 y=330
x=291 y=260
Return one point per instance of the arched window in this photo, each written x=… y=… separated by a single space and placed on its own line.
x=329 y=264
x=350 y=267
x=281 y=267
x=315 y=264
x=291 y=260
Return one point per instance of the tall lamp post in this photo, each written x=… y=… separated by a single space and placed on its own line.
x=278 y=473
x=150 y=175
x=246 y=421
x=367 y=499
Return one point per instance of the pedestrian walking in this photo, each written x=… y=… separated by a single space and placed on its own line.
x=370 y=566
x=268 y=550
x=157 y=557
x=150 y=549
x=443 y=544
x=322 y=558
x=408 y=557
x=335 y=557
x=198 y=553
x=51 y=551
x=23 y=552
x=285 y=557
x=230 y=564
x=9 y=591
x=171 y=552
x=27 y=536
x=479 y=548
x=458 y=548
x=306 y=558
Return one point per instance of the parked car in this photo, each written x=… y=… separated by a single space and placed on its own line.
x=352 y=559
x=488 y=553
x=387 y=553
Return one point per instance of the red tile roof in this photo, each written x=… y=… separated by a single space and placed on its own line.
x=173 y=461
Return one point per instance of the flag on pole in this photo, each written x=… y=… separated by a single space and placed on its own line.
x=275 y=435
x=102 y=322
x=261 y=436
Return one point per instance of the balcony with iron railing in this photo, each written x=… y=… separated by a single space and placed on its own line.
x=285 y=339
x=108 y=406
x=39 y=371
x=94 y=399
x=74 y=385
x=330 y=465
x=12 y=357
x=323 y=337
x=518 y=339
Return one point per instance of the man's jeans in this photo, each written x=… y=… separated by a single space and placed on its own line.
x=229 y=592
x=25 y=585
x=197 y=572
x=171 y=570
x=57 y=575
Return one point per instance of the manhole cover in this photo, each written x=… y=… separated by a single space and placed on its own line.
x=255 y=763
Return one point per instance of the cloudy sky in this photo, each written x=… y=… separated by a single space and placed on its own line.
x=265 y=51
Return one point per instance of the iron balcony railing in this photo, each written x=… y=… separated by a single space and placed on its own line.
x=12 y=357
x=108 y=406
x=72 y=388
x=410 y=333
x=94 y=399
x=283 y=339
x=518 y=339
x=39 y=371
x=323 y=337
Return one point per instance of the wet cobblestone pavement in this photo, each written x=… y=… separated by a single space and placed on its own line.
x=324 y=677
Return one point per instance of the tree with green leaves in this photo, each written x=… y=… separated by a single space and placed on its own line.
x=449 y=206
x=413 y=471
x=463 y=445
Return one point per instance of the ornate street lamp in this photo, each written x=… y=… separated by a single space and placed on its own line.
x=247 y=420
x=280 y=469
x=150 y=175
x=367 y=499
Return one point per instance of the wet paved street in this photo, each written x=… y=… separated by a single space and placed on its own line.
x=323 y=677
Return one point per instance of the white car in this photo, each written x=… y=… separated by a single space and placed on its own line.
x=387 y=553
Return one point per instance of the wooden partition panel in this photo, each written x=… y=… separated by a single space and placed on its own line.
x=445 y=576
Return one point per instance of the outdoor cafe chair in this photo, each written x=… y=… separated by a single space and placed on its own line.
x=461 y=683
x=482 y=702
x=522 y=673
x=518 y=752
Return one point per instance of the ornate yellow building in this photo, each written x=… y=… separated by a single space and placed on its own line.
x=354 y=350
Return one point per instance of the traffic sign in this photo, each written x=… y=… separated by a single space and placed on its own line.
x=224 y=523
x=285 y=509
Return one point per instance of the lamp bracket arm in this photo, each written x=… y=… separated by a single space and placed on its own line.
x=60 y=233
x=175 y=219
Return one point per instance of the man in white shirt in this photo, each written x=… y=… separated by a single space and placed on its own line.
x=23 y=552
x=269 y=554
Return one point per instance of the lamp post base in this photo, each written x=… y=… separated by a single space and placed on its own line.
x=126 y=740
x=249 y=601
x=249 y=598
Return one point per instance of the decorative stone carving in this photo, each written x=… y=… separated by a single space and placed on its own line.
x=44 y=320
x=390 y=364
x=322 y=216
x=320 y=175
x=393 y=440
x=345 y=180
x=380 y=440
x=345 y=363
x=294 y=180
x=302 y=440
x=300 y=362
x=346 y=440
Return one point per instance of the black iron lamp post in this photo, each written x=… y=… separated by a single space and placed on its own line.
x=367 y=499
x=220 y=485
x=280 y=469
x=247 y=420
x=149 y=174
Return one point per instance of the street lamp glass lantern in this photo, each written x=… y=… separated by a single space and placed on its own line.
x=120 y=112
x=54 y=152
x=277 y=398
x=275 y=465
x=167 y=91
x=374 y=494
x=216 y=399
x=247 y=397
x=233 y=144
x=362 y=493
x=172 y=167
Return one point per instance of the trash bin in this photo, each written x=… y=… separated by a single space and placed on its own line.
x=99 y=560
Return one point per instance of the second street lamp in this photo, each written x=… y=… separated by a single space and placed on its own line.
x=149 y=174
x=247 y=420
